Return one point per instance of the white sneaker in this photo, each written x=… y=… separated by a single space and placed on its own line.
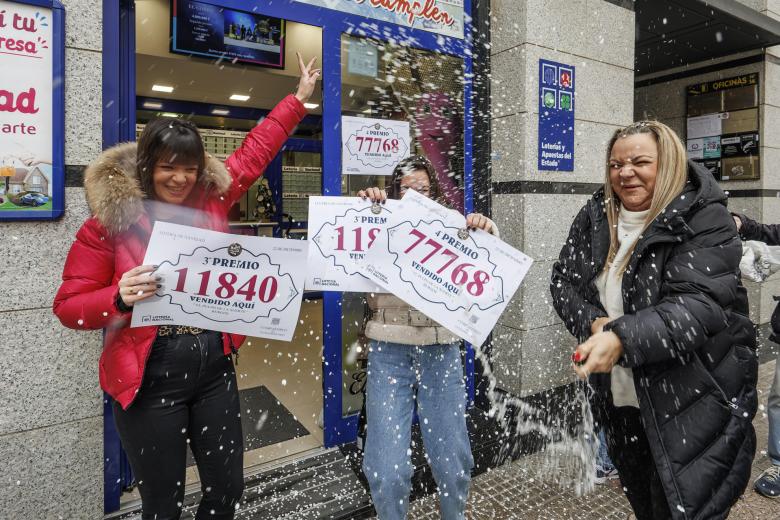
x=602 y=475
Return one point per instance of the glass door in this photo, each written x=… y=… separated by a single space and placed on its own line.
x=375 y=77
x=438 y=111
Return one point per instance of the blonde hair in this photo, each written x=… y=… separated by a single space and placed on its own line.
x=672 y=174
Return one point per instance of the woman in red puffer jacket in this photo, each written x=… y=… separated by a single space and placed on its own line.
x=172 y=386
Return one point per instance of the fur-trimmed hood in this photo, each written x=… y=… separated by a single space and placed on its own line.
x=114 y=193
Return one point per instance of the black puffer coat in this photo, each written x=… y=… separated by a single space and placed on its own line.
x=686 y=335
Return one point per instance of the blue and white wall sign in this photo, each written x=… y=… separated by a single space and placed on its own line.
x=556 y=116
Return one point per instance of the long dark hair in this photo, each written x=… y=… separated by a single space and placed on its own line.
x=164 y=139
x=408 y=165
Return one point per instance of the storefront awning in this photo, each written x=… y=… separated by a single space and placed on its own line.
x=672 y=33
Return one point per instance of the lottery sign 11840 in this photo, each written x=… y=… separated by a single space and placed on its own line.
x=229 y=283
x=462 y=279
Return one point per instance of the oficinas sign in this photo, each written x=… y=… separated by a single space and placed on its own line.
x=31 y=110
x=723 y=84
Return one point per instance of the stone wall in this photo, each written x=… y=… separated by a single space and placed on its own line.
x=531 y=348
x=51 y=420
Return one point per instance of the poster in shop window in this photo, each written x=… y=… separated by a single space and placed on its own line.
x=342 y=230
x=704 y=126
x=31 y=111
x=230 y=283
x=373 y=146
x=704 y=148
x=461 y=279
x=722 y=127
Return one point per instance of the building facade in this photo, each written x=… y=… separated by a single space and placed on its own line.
x=53 y=431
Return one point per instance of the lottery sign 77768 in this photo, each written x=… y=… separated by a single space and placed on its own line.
x=461 y=279
x=373 y=146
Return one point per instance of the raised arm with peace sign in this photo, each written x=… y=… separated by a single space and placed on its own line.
x=308 y=79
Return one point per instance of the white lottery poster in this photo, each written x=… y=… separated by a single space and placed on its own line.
x=373 y=146
x=230 y=283
x=342 y=230
x=463 y=280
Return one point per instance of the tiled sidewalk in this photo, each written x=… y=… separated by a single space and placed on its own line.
x=508 y=493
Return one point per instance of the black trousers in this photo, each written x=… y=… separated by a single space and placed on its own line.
x=630 y=452
x=188 y=397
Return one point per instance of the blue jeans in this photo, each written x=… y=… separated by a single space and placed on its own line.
x=602 y=458
x=434 y=374
x=773 y=413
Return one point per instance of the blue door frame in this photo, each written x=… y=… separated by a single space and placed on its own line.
x=119 y=125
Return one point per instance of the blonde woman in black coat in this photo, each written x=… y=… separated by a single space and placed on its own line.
x=648 y=282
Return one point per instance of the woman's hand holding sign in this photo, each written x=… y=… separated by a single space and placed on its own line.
x=373 y=194
x=139 y=283
x=479 y=221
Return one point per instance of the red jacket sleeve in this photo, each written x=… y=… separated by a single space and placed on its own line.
x=261 y=146
x=87 y=297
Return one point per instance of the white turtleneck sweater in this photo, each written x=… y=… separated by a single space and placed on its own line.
x=609 y=284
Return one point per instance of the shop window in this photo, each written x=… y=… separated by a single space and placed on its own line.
x=390 y=81
x=722 y=130
x=301 y=179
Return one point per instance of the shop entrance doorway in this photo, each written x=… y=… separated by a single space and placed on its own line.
x=302 y=397
x=280 y=384
x=382 y=79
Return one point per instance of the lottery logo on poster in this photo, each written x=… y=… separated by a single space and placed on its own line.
x=373 y=146
x=566 y=77
x=230 y=283
x=346 y=228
